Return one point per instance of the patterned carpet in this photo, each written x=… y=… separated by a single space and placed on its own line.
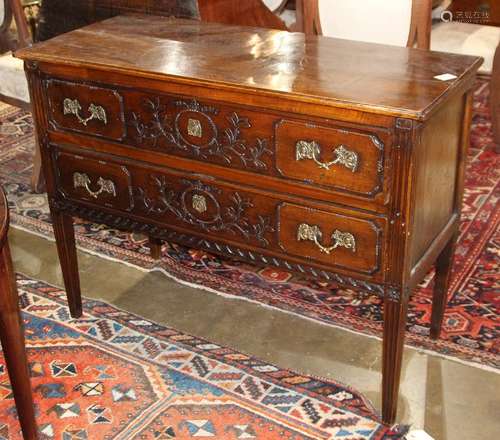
x=112 y=375
x=472 y=325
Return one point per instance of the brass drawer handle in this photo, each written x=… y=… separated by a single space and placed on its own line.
x=73 y=107
x=312 y=150
x=81 y=180
x=313 y=233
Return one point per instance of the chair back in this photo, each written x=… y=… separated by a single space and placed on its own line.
x=376 y=21
x=5 y=15
x=23 y=33
x=243 y=12
x=394 y=22
x=59 y=16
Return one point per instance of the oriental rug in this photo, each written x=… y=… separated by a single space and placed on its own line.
x=112 y=375
x=471 y=330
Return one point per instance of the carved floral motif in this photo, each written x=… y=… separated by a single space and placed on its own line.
x=227 y=145
x=215 y=218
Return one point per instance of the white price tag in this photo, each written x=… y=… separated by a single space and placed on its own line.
x=446 y=77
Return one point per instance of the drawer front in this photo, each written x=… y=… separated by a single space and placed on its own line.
x=330 y=238
x=100 y=182
x=86 y=109
x=346 y=160
x=337 y=158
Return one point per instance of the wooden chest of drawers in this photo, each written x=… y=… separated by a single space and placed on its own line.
x=337 y=159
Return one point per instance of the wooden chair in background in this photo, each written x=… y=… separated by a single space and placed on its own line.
x=11 y=332
x=14 y=86
x=246 y=13
x=5 y=20
x=395 y=22
x=466 y=29
x=456 y=34
x=13 y=90
x=59 y=16
x=409 y=22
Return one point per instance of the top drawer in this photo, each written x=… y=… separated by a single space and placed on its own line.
x=86 y=109
x=347 y=160
x=337 y=157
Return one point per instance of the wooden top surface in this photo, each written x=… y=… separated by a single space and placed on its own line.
x=376 y=78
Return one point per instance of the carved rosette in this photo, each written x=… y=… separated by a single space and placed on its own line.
x=198 y=204
x=189 y=126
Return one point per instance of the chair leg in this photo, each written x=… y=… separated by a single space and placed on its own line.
x=12 y=338
x=37 y=179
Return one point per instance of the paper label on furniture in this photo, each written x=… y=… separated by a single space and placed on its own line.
x=446 y=77
x=418 y=434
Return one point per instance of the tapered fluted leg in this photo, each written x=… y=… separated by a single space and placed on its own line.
x=155 y=247
x=66 y=248
x=444 y=265
x=12 y=338
x=395 y=309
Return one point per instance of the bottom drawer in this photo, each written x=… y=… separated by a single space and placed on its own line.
x=331 y=238
x=95 y=180
x=277 y=225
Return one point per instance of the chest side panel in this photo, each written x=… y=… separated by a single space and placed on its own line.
x=435 y=175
